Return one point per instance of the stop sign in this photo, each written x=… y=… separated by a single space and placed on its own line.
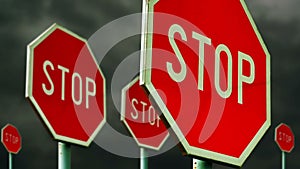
x=212 y=69
x=11 y=139
x=284 y=137
x=66 y=86
x=141 y=118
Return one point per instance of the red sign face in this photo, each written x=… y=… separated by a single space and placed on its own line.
x=11 y=139
x=212 y=71
x=141 y=118
x=66 y=86
x=284 y=137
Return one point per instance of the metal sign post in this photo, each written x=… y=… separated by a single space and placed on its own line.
x=143 y=159
x=199 y=164
x=283 y=160
x=10 y=160
x=64 y=155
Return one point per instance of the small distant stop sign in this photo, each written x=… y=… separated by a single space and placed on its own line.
x=141 y=118
x=66 y=86
x=11 y=139
x=284 y=137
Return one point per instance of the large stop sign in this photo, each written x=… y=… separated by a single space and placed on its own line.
x=212 y=70
x=66 y=86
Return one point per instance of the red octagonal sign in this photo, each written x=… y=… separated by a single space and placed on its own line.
x=66 y=86
x=11 y=139
x=141 y=118
x=284 y=137
x=212 y=70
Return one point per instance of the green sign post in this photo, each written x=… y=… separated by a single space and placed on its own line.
x=199 y=164
x=64 y=155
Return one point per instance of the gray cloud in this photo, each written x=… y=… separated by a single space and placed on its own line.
x=21 y=21
x=277 y=10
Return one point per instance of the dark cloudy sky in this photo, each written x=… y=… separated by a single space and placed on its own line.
x=23 y=20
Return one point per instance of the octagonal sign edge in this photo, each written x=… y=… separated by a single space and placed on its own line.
x=33 y=101
x=146 y=74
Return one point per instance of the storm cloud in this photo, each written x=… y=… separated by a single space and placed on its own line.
x=23 y=20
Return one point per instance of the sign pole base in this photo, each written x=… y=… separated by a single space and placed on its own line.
x=64 y=155
x=10 y=160
x=143 y=159
x=199 y=164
